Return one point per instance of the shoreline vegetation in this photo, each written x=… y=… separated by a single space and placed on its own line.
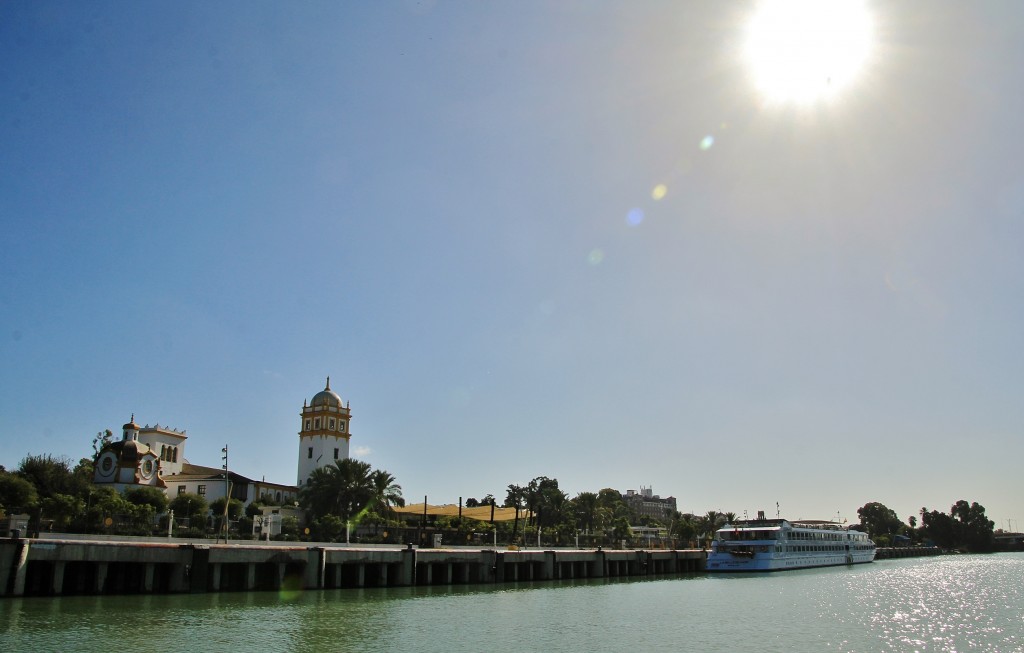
x=351 y=502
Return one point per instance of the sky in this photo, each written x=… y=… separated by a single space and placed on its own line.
x=577 y=240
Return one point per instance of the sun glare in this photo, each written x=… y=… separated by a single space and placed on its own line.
x=803 y=51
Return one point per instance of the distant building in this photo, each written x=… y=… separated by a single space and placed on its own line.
x=647 y=504
x=154 y=456
x=140 y=457
x=208 y=482
x=323 y=432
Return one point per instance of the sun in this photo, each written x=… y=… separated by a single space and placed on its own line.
x=805 y=51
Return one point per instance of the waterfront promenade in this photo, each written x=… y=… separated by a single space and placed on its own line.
x=55 y=567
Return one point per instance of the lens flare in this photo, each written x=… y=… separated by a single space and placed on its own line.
x=635 y=217
x=659 y=192
x=707 y=142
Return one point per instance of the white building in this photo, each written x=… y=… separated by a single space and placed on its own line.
x=154 y=456
x=141 y=457
x=323 y=432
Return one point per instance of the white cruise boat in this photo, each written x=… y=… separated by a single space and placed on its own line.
x=776 y=544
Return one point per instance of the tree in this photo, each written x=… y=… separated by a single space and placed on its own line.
x=328 y=528
x=975 y=531
x=877 y=520
x=386 y=492
x=710 y=523
x=514 y=499
x=16 y=494
x=344 y=489
x=51 y=475
x=685 y=528
x=101 y=440
x=545 y=501
x=235 y=508
x=190 y=506
x=147 y=496
x=939 y=528
x=62 y=508
x=585 y=505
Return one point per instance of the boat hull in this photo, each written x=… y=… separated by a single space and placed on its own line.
x=725 y=562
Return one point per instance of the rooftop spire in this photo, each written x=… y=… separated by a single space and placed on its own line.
x=328 y=383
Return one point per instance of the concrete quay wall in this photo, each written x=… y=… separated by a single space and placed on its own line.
x=51 y=567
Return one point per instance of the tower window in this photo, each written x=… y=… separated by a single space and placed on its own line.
x=341 y=427
x=307 y=424
x=316 y=423
x=335 y=453
x=330 y=424
x=309 y=453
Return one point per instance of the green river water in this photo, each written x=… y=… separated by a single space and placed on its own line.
x=950 y=603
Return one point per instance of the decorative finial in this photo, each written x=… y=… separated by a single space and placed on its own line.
x=328 y=384
x=133 y=418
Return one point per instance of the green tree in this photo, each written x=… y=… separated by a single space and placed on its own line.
x=585 y=505
x=877 y=520
x=938 y=527
x=328 y=528
x=289 y=529
x=344 y=489
x=147 y=496
x=975 y=531
x=101 y=440
x=235 y=508
x=514 y=496
x=62 y=508
x=685 y=527
x=17 y=494
x=191 y=507
x=51 y=475
x=545 y=501
x=709 y=523
x=386 y=492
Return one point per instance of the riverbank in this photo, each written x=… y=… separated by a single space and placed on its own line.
x=55 y=567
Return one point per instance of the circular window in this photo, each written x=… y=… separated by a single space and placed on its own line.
x=107 y=464
x=147 y=468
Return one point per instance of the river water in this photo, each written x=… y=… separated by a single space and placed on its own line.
x=950 y=603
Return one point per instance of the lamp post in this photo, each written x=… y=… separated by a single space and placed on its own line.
x=227 y=492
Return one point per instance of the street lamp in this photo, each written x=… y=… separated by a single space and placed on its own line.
x=227 y=492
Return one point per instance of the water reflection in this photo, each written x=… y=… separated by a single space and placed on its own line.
x=933 y=604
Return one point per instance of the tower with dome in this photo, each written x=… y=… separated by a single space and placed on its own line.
x=324 y=432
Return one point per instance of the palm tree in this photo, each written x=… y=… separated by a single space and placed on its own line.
x=709 y=524
x=344 y=489
x=386 y=493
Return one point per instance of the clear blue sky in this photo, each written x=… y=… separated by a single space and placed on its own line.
x=523 y=238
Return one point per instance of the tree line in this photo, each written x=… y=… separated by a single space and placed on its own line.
x=965 y=527
x=350 y=493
